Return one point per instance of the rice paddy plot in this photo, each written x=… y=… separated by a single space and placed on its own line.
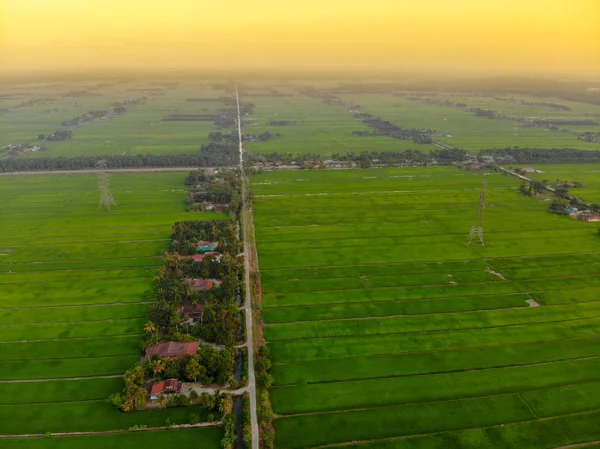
x=386 y=329
x=75 y=286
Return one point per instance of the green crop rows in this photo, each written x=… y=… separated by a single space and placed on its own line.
x=387 y=330
x=75 y=286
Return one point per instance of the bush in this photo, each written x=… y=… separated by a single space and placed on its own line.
x=211 y=417
x=234 y=384
x=194 y=418
x=264 y=380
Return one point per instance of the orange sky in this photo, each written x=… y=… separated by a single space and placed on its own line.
x=454 y=35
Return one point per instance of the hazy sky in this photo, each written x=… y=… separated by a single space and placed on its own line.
x=464 y=35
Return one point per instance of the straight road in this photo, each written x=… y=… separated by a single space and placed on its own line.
x=248 y=302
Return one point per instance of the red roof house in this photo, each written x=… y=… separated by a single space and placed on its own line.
x=169 y=386
x=191 y=312
x=201 y=284
x=172 y=349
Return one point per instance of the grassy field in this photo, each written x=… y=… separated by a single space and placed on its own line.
x=327 y=129
x=387 y=330
x=140 y=130
x=465 y=130
x=315 y=127
x=76 y=282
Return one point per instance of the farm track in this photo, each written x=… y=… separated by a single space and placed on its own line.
x=108 y=170
x=110 y=432
x=431 y=262
x=283 y=323
x=85 y=260
x=575 y=446
x=449 y=432
x=438 y=298
x=69 y=339
x=499 y=281
x=441 y=351
x=436 y=331
x=516 y=365
x=81 y=280
x=88 y=243
x=43 y=323
x=75 y=306
x=384 y=407
x=54 y=379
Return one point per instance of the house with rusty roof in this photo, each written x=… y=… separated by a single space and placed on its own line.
x=166 y=387
x=191 y=314
x=203 y=285
x=171 y=349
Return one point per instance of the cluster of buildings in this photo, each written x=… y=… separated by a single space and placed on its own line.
x=15 y=150
x=215 y=207
x=308 y=164
x=168 y=350
x=582 y=215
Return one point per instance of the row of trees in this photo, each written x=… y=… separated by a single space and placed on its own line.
x=387 y=128
x=542 y=155
x=213 y=154
x=264 y=381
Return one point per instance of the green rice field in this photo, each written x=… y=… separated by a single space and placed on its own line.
x=141 y=130
x=387 y=330
x=314 y=126
x=76 y=283
x=325 y=129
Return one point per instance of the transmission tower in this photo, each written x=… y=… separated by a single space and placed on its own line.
x=477 y=228
x=106 y=198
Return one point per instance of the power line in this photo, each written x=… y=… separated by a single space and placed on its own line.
x=477 y=228
x=106 y=198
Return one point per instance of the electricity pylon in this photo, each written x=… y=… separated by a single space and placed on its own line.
x=477 y=228
x=106 y=198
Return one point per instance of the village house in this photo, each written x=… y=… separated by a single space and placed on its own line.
x=166 y=387
x=206 y=246
x=191 y=314
x=530 y=170
x=203 y=285
x=196 y=257
x=200 y=257
x=171 y=349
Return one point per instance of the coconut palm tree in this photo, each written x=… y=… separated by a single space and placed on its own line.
x=224 y=404
x=149 y=327
x=158 y=366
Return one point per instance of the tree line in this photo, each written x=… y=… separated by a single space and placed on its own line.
x=210 y=155
x=542 y=155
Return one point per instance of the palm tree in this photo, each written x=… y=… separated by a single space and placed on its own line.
x=224 y=404
x=158 y=366
x=149 y=327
